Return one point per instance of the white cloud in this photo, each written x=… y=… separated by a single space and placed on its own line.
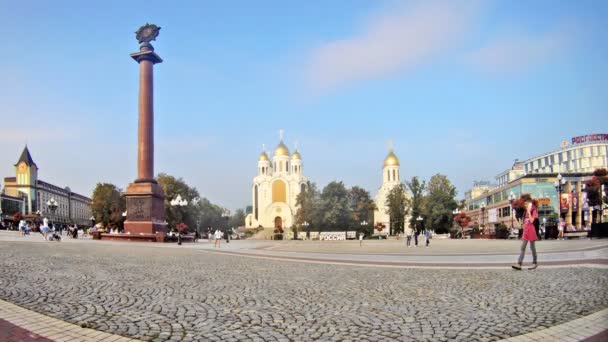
x=391 y=41
x=519 y=52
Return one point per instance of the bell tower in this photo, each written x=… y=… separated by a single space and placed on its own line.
x=27 y=178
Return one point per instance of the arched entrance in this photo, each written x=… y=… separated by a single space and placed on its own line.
x=278 y=222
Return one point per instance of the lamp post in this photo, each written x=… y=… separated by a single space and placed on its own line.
x=363 y=224
x=482 y=206
x=52 y=205
x=454 y=213
x=511 y=199
x=559 y=183
x=179 y=202
x=305 y=225
x=226 y=217
x=124 y=218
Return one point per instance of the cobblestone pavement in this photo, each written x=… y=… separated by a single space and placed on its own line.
x=155 y=293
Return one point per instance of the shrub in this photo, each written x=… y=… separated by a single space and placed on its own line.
x=502 y=232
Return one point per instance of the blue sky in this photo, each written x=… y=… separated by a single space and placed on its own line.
x=461 y=87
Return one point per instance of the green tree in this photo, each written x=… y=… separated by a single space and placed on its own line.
x=308 y=204
x=174 y=215
x=439 y=204
x=361 y=209
x=416 y=189
x=397 y=204
x=237 y=219
x=335 y=213
x=108 y=204
x=209 y=216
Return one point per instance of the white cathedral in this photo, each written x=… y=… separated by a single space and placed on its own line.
x=275 y=188
x=390 y=178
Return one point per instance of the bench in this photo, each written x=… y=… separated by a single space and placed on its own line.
x=575 y=234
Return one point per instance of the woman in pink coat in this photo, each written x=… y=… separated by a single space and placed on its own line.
x=529 y=234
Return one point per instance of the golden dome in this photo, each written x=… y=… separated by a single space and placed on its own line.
x=263 y=156
x=281 y=150
x=391 y=159
x=296 y=155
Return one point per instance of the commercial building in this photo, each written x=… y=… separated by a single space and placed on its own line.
x=33 y=193
x=573 y=163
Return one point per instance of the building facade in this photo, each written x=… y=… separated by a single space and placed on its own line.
x=391 y=177
x=585 y=154
x=72 y=208
x=275 y=188
x=574 y=162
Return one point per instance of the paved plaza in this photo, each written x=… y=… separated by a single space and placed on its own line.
x=163 y=292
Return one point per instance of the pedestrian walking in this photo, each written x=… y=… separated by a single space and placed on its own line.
x=408 y=235
x=416 y=233
x=361 y=240
x=560 y=229
x=529 y=234
x=218 y=238
x=427 y=235
x=45 y=229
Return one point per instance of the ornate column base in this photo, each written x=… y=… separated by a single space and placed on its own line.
x=145 y=209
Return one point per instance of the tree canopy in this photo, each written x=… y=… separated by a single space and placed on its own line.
x=199 y=213
x=108 y=204
x=362 y=208
x=307 y=202
x=397 y=207
x=439 y=203
x=336 y=209
x=417 y=190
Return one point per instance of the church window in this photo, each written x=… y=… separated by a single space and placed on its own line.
x=279 y=191
x=302 y=187
x=388 y=174
x=286 y=166
x=394 y=175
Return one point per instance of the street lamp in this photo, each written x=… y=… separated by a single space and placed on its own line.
x=363 y=224
x=178 y=202
x=124 y=219
x=419 y=219
x=482 y=206
x=52 y=205
x=559 y=183
x=226 y=217
x=305 y=225
x=511 y=199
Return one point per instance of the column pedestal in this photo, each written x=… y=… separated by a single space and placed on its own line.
x=145 y=209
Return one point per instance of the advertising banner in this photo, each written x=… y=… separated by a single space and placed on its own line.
x=492 y=215
x=564 y=202
x=584 y=203
x=351 y=234
x=301 y=235
x=575 y=201
x=314 y=235
x=333 y=236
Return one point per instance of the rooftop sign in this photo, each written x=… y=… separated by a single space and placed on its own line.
x=590 y=138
